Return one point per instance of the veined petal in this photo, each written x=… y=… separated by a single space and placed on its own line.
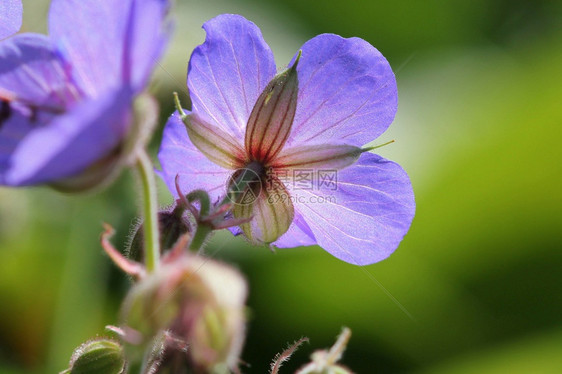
x=11 y=12
x=178 y=156
x=299 y=234
x=228 y=72
x=272 y=213
x=327 y=156
x=109 y=42
x=33 y=74
x=347 y=92
x=272 y=117
x=219 y=146
x=363 y=216
x=71 y=141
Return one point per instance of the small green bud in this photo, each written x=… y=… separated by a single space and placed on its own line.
x=100 y=355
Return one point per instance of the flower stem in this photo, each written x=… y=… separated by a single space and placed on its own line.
x=201 y=233
x=150 y=211
x=203 y=199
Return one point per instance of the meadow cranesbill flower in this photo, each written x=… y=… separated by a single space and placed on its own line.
x=66 y=100
x=10 y=17
x=300 y=133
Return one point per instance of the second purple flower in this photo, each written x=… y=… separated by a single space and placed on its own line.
x=66 y=99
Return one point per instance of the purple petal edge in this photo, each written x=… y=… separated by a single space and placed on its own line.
x=109 y=43
x=11 y=14
x=228 y=72
x=362 y=220
x=178 y=156
x=347 y=92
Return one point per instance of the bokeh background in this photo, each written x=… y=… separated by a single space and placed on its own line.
x=476 y=285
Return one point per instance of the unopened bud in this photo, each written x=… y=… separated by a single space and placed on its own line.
x=172 y=224
x=197 y=301
x=96 y=356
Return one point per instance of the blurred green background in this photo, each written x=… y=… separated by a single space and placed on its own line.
x=475 y=287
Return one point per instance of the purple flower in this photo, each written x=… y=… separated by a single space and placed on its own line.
x=301 y=133
x=10 y=17
x=66 y=99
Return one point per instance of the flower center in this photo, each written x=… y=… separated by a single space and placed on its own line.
x=246 y=183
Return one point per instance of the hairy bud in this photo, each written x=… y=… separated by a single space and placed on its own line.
x=199 y=303
x=96 y=356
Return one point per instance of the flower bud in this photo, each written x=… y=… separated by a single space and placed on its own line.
x=198 y=302
x=171 y=223
x=100 y=355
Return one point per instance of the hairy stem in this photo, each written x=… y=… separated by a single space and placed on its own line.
x=201 y=233
x=150 y=212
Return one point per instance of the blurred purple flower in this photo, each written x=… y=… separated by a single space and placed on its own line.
x=11 y=12
x=66 y=99
x=302 y=133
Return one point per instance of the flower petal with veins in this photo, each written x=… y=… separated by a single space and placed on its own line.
x=348 y=92
x=228 y=72
x=364 y=219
